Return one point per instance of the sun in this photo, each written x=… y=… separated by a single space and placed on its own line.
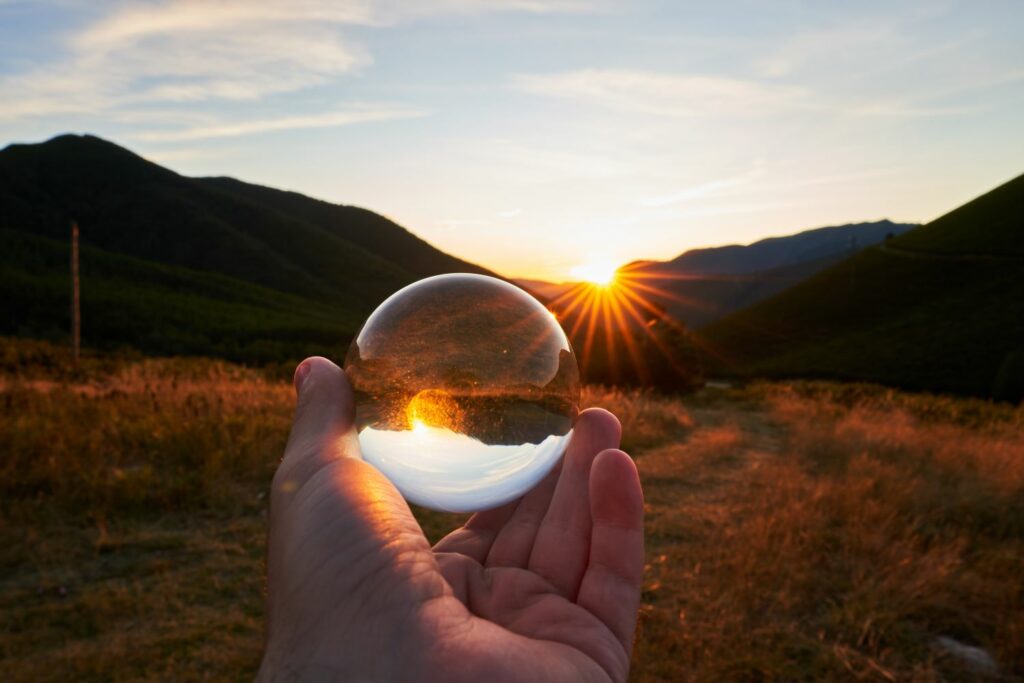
x=599 y=272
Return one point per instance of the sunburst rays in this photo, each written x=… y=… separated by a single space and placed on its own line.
x=625 y=319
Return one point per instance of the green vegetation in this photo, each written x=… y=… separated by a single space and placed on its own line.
x=129 y=302
x=806 y=531
x=940 y=308
x=175 y=265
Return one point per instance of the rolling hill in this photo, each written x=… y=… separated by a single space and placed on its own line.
x=773 y=253
x=172 y=264
x=938 y=308
x=703 y=285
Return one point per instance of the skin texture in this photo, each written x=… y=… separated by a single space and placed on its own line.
x=545 y=588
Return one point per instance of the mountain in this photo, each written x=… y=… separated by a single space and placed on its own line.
x=544 y=289
x=172 y=264
x=779 y=252
x=360 y=227
x=939 y=308
x=703 y=285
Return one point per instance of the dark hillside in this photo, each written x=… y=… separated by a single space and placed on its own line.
x=128 y=205
x=361 y=227
x=991 y=225
x=942 y=320
x=704 y=285
x=172 y=264
x=130 y=302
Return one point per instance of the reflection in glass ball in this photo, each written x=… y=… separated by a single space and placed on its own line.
x=466 y=391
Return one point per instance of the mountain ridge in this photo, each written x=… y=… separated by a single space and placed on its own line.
x=785 y=250
x=702 y=285
x=914 y=312
x=130 y=207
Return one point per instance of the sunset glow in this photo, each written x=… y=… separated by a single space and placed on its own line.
x=433 y=408
x=617 y=309
x=598 y=272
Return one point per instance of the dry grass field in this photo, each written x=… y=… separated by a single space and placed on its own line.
x=802 y=531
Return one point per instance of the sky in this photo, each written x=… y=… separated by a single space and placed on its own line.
x=539 y=137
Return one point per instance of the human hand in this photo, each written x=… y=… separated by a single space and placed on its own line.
x=545 y=588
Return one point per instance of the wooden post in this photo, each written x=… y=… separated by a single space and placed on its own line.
x=76 y=317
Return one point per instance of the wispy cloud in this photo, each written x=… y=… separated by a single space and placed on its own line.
x=184 y=53
x=174 y=54
x=667 y=94
x=134 y=23
x=732 y=208
x=700 y=191
x=903 y=109
x=131 y=23
x=936 y=101
x=810 y=47
x=536 y=161
x=170 y=156
x=681 y=95
x=324 y=120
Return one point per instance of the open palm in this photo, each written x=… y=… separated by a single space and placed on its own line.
x=542 y=589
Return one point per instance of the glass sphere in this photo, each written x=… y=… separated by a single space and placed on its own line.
x=466 y=391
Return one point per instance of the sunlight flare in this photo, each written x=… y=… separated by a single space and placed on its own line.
x=599 y=272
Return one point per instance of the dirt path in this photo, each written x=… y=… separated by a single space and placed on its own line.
x=701 y=473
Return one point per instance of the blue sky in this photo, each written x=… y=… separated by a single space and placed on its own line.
x=533 y=136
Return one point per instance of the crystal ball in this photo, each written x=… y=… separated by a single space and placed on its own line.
x=466 y=391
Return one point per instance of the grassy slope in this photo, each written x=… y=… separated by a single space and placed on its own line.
x=991 y=224
x=130 y=206
x=182 y=265
x=912 y=314
x=361 y=227
x=793 y=532
x=162 y=309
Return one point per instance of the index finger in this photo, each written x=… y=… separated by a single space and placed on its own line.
x=611 y=585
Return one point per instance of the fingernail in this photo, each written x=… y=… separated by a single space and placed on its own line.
x=301 y=373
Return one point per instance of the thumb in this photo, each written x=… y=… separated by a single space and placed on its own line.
x=323 y=426
x=335 y=524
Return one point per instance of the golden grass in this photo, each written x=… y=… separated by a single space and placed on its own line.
x=648 y=419
x=806 y=531
x=132 y=521
x=834 y=542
